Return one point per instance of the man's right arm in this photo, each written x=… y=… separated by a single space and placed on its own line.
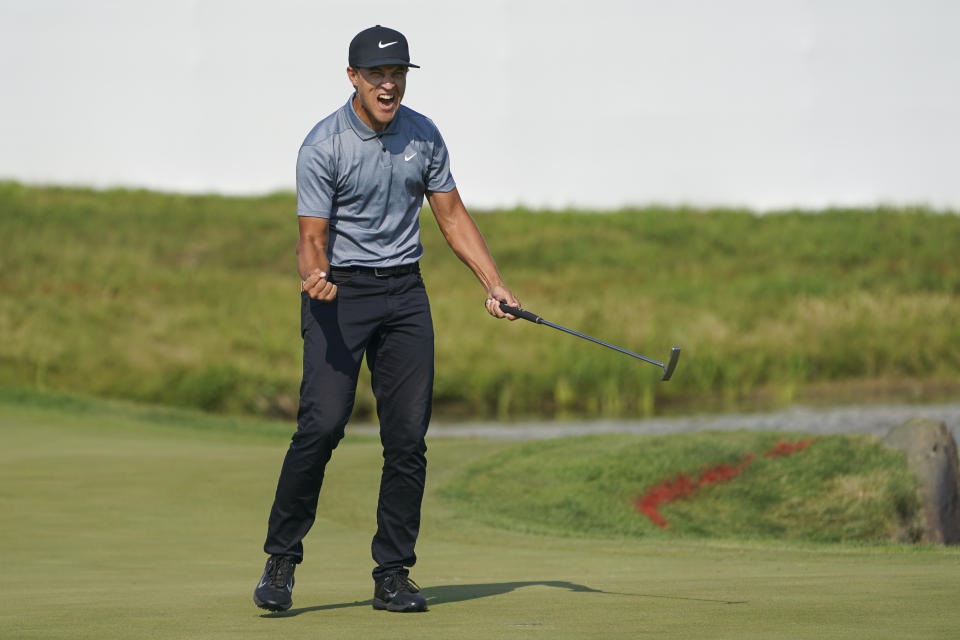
x=312 y=261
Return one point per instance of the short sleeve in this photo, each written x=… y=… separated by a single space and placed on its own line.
x=316 y=181
x=438 y=176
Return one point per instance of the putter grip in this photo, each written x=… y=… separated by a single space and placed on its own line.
x=520 y=313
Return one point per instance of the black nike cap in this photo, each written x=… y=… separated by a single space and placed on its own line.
x=378 y=46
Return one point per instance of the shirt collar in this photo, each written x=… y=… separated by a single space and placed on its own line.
x=363 y=130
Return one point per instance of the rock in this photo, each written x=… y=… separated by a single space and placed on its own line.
x=932 y=455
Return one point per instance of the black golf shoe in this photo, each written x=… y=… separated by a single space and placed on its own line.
x=397 y=592
x=275 y=591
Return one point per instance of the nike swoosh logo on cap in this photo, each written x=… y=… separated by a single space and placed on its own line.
x=384 y=46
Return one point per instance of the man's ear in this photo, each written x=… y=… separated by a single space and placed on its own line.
x=352 y=75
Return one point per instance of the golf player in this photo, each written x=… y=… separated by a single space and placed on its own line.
x=362 y=174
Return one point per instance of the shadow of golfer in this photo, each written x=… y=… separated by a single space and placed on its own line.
x=449 y=593
x=459 y=592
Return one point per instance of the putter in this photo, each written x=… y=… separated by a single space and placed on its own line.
x=534 y=318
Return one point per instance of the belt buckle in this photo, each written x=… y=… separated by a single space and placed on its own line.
x=380 y=273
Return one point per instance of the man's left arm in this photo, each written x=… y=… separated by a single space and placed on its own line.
x=467 y=242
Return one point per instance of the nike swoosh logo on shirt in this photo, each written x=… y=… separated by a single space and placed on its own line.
x=409 y=157
x=384 y=46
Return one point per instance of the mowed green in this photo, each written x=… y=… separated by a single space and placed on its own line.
x=129 y=522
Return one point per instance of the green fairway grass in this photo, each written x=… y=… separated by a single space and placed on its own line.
x=122 y=521
x=193 y=301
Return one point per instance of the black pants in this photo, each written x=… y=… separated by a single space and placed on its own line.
x=389 y=319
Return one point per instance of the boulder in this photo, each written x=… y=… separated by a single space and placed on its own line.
x=932 y=455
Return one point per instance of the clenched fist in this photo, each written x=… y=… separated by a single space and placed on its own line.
x=318 y=287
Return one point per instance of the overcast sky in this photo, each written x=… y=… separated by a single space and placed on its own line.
x=763 y=103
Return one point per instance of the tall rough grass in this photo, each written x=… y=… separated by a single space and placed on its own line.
x=840 y=488
x=193 y=301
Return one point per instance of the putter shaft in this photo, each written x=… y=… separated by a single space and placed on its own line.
x=534 y=318
x=601 y=342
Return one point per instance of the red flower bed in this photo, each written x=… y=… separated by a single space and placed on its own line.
x=683 y=487
x=787 y=448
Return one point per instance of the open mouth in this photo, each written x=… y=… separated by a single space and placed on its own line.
x=387 y=101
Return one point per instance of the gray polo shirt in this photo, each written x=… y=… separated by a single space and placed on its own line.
x=371 y=185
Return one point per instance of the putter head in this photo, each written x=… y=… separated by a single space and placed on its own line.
x=671 y=363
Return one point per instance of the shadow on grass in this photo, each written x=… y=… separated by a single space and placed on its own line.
x=446 y=594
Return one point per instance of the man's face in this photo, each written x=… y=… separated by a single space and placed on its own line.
x=379 y=92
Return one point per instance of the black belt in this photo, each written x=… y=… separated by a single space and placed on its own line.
x=380 y=272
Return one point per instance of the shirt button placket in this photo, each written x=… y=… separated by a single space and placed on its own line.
x=384 y=156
